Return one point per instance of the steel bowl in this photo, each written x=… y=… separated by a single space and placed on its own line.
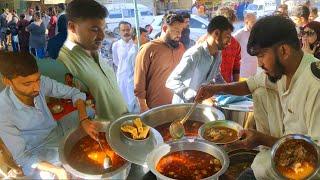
x=291 y=137
x=187 y=144
x=169 y=113
x=64 y=151
x=224 y=123
x=126 y=137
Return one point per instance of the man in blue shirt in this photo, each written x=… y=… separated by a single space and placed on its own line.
x=201 y=63
x=26 y=124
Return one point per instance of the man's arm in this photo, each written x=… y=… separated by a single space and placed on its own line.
x=140 y=77
x=58 y=90
x=115 y=54
x=182 y=71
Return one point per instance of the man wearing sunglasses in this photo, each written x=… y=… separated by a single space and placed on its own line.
x=286 y=96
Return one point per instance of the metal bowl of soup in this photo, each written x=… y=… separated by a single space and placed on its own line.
x=82 y=157
x=161 y=117
x=220 y=132
x=188 y=158
x=295 y=156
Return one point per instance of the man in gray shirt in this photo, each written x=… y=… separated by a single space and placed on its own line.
x=201 y=63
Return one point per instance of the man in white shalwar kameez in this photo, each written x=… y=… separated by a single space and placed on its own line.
x=126 y=72
x=286 y=97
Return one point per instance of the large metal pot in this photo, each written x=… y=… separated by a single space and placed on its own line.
x=310 y=143
x=187 y=144
x=169 y=113
x=66 y=147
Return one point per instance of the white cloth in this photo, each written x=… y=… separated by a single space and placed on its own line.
x=317 y=19
x=280 y=111
x=125 y=79
x=249 y=64
x=28 y=17
x=120 y=51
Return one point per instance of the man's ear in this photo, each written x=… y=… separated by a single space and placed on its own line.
x=72 y=26
x=5 y=81
x=285 y=51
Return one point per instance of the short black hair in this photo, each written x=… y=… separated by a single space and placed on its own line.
x=85 y=9
x=172 y=18
x=14 y=64
x=302 y=11
x=124 y=23
x=219 y=22
x=62 y=6
x=22 y=16
x=185 y=15
x=134 y=32
x=270 y=31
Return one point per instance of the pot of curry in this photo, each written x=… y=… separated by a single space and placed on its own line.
x=295 y=156
x=83 y=158
x=188 y=159
x=161 y=117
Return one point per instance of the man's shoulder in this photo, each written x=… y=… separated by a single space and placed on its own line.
x=315 y=70
x=5 y=102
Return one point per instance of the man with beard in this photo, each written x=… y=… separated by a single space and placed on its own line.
x=26 y=124
x=154 y=63
x=185 y=35
x=120 y=48
x=286 y=96
x=201 y=63
x=79 y=55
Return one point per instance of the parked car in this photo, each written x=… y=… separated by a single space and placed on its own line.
x=198 y=27
x=125 y=12
x=261 y=8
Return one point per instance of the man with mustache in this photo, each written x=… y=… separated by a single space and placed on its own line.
x=154 y=63
x=26 y=124
x=201 y=63
x=286 y=96
x=86 y=30
x=120 y=48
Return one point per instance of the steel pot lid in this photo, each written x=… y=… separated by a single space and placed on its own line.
x=243 y=106
x=133 y=151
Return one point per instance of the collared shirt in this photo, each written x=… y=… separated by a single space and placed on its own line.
x=125 y=75
x=249 y=64
x=196 y=67
x=155 y=62
x=230 y=64
x=292 y=110
x=23 y=127
x=101 y=82
x=120 y=51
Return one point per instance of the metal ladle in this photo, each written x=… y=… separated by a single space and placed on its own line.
x=176 y=128
x=107 y=160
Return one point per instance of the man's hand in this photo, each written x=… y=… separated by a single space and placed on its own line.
x=250 y=139
x=205 y=92
x=91 y=128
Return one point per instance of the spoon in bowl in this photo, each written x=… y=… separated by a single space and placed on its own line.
x=176 y=128
x=107 y=160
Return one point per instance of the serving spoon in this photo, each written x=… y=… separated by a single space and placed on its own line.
x=107 y=160
x=176 y=128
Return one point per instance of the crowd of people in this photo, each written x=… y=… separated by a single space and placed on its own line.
x=147 y=74
x=34 y=30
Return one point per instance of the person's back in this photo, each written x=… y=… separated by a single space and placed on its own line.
x=37 y=35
